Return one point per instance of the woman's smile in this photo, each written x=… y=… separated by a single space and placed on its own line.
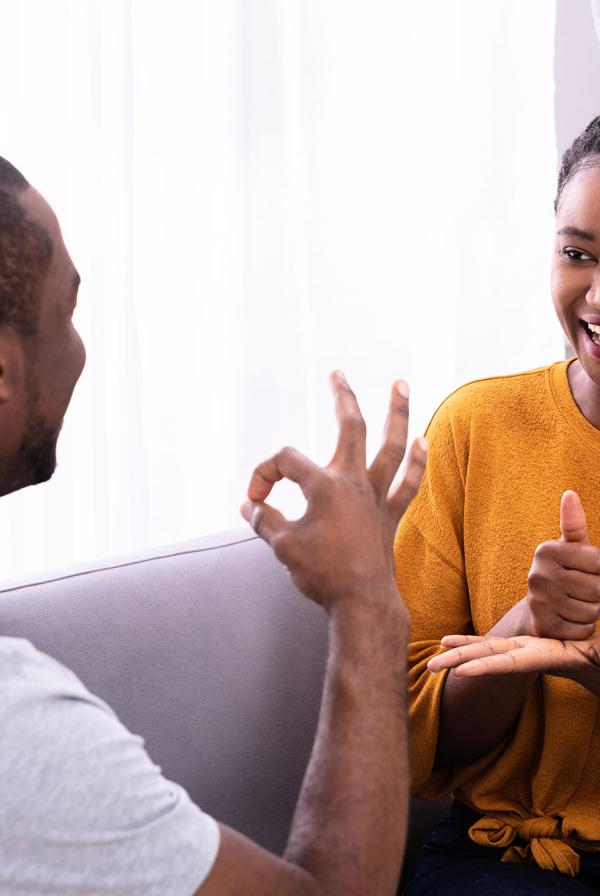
x=576 y=283
x=591 y=329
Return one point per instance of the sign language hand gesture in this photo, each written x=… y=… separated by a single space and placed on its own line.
x=341 y=549
x=563 y=597
x=471 y=656
x=564 y=604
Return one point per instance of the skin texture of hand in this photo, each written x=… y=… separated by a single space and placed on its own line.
x=563 y=598
x=329 y=555
x=472 y=657
x=562 y=603
x=348 y=831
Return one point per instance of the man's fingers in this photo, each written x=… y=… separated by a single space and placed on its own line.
x=286 y=464
x=351 y=450
x=266 y=521
x=399 y=499
x=390 y=455
x=573 y=524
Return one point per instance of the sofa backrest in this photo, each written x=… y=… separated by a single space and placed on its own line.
x=205 y=649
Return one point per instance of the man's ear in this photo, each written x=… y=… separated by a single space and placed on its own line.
x=12 y=363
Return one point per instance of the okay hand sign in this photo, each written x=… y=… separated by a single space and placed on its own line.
x=341 y=549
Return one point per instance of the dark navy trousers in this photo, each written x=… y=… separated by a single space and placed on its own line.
x=451 y=864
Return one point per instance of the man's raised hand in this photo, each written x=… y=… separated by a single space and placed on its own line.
x=342 y=546
x=563 y=598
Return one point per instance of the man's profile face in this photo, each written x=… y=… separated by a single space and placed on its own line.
x=54 y=356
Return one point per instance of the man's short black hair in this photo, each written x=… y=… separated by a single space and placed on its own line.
x=10 y=177
x=25 y=252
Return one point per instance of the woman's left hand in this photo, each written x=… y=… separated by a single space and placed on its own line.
x=472 y=655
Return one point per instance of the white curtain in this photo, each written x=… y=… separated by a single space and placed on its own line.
x=595 y=7
x=256 y=192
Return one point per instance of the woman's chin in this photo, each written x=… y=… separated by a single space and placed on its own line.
x=584 y=375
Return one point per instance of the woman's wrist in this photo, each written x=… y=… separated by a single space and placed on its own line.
x=587 y=675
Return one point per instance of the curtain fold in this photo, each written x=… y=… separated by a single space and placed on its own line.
x=595 y=7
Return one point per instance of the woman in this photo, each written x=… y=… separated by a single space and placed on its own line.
x=502 y=557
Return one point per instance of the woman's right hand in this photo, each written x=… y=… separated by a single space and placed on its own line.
x=563 y=597
x=472 y=656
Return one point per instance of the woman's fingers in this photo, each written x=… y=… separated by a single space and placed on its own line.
x=582 y=586
x=580 y=612
x=573 y=524
x=462 y=649
x=471 y=655
x=461 y=640
x=512 y=661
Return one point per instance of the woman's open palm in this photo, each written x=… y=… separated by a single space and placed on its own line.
x=473 y=655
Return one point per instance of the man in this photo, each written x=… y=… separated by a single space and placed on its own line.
x=83 y=809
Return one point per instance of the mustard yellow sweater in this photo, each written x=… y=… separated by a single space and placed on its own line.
x=501 y=453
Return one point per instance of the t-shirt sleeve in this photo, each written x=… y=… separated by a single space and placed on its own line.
x=430 y=573
x=84 y=809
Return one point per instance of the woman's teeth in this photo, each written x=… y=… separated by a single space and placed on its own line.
x=594 y=331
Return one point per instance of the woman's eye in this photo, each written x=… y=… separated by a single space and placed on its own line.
x=576 y=254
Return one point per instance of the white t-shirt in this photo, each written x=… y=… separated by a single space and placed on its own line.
x=83 y=809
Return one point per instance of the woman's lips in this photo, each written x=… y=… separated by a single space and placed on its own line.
x=591 y=340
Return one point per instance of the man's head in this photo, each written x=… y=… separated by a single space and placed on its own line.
x=41 y=354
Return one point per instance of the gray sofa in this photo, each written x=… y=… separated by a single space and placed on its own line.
x=207 y=650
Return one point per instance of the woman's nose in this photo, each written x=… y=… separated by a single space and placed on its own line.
x=593 y=293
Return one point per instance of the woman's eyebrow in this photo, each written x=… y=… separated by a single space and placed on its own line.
x=575 y=231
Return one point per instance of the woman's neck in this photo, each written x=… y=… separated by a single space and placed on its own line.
x=585 y=392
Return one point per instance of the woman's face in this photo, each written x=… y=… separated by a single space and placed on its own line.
x=576 y=268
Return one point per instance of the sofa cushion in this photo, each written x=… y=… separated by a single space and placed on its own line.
x=206 y=650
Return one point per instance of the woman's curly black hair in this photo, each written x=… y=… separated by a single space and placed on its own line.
x=584 y=152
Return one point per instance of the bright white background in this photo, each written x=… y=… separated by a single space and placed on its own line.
x=256 y=192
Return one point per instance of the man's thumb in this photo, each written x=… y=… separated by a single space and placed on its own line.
x=573 y=525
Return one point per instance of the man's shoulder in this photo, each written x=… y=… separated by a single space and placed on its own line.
x=25 y=669
x=46 y=713
x=75 y=781
x=17 y=652
x=21 y=664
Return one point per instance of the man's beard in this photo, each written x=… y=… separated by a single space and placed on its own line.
x=36 y=457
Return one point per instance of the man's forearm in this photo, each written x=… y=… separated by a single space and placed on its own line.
x=348 y=830
x=477 y=714
x=349 y=826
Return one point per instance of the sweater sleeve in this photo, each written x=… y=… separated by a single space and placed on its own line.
x=430 y=573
